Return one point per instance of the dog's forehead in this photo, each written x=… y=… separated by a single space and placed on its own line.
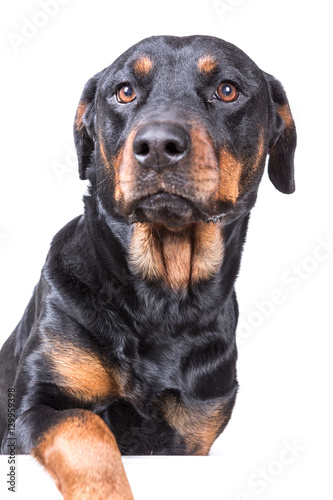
x=204 y=54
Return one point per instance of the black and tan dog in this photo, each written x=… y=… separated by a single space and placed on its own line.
x=128 y=343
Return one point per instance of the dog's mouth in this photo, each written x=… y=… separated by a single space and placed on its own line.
x=170 y=210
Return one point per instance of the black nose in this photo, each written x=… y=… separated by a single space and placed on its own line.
x=160 y=145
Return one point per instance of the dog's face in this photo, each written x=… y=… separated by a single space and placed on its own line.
x=180 y=129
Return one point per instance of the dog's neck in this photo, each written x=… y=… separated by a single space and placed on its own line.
x=180 y=258
x=177 y=256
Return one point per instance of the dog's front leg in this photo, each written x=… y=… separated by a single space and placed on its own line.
x=79 y=452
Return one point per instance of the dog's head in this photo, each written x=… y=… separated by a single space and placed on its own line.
x=177 y=130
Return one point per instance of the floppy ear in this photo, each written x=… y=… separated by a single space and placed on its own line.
x=282 y=139
x=84 y=130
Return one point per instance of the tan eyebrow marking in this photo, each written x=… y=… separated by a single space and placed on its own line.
x=143 y=66
x=207 y=64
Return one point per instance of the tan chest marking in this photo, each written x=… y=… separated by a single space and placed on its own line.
x=178 y=257
x=208 y=250
x=81 y=373
x=199 y=427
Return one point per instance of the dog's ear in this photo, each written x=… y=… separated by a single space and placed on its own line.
x=282 y=138
x=84 y=126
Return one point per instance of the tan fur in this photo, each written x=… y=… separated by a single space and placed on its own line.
x=82 y=456
x=124 y=172
x=199 y=428
x=235 y=174
x=176 y=250
x=80 y=373
x=252 y=165
x=143 y=66
x=79 y=115
x=103 y=153
x=200 y=170
x=204 y=166
x=230 y=175
x=285 y=113
x=208 y=250
x=178 y=257
x=260 y=152
x=145 y=251
x=207 y=64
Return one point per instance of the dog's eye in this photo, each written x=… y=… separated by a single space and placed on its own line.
x=227 y=92
x=126 y=94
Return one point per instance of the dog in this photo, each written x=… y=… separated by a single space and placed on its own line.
x=128 y=343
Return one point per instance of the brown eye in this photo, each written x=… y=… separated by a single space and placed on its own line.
x=126 y=94
x=227 y=92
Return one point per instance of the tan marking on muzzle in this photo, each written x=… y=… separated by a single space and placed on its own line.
x=253 y=164
x=260 y=151
x=124 y=173
x=199 y=168
x=103 y=153
x=203 y=164
x=229 y=178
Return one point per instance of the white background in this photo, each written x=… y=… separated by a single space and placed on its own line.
x=285 y=367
